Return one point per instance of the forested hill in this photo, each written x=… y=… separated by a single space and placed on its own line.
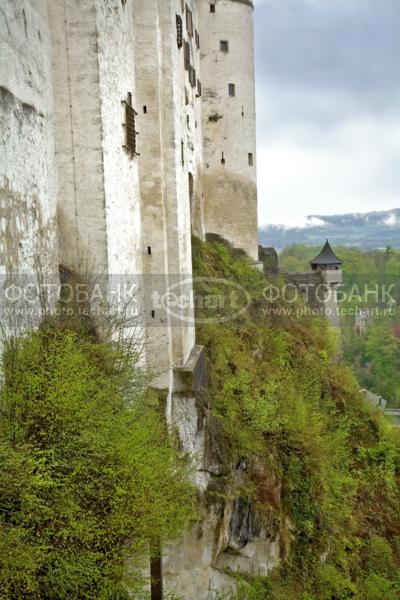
x=367 y=231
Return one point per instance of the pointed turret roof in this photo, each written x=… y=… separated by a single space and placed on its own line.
x=326 y=257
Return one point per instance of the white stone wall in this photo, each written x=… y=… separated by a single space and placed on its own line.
x=230 y=185
x=168 y=123
x=27 y=164
x=116 y=57
x=79 y=143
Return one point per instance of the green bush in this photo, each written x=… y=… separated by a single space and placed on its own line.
x=88 y=473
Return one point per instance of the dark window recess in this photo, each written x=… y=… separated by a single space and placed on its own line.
x=145 y=109
x=153 y=314
x=187 y=120
x=192 y=77
x=186 y=96
x=186 y=55
x=231 y=89
x=182 y=154
x=149 y=250
x=242 y=111
x=250 y=159
x=212 y=8
x=179 y=31
x=224 y=46
x=222 y=159
x=198 y=88
x=197 y=38
x=130 y=126
x=189 y=21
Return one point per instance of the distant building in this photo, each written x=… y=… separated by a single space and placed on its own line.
x=269 y=259
x=319 y=286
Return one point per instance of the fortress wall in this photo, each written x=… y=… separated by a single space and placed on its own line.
x=27 y=163
x=81 y=193
x=229 y=123
x=170 y=148
x=116 y=59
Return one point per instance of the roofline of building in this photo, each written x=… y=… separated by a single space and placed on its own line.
x=247 y=2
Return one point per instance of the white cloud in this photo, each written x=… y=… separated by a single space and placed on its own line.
x=341 y=170
x=391 y=220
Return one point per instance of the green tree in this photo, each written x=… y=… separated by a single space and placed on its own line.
x=87 y=475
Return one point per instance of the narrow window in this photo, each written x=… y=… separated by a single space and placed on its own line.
x=130 y=126
x=187 y=120
x=231 y=89
x=222 y=159
x=153 y=314
x=179 y=31
x=242 y=111
x=250 y=158
x=212 y=8
x=149 y=250
x=186 y=54
x=182 y=154
x=198 y=88
x=145 y=109
x=224 y=46
x=197 y=38
x=186 y=96
x=189 y=21
x=192 y=77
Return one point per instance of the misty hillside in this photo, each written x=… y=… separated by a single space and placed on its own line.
x=367 y=231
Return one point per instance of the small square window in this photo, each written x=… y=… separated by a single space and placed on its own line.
x=224 y=46
x=250 y=158
x=231 y=89
x=212 y=8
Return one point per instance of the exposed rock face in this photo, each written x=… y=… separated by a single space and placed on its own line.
x=231 y=535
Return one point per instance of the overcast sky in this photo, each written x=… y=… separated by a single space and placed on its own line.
x=328 y=107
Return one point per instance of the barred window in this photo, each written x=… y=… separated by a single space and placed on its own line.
x=231 y=89
x=130 y=126
x=179 y=31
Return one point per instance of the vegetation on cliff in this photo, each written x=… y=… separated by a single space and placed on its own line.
x=88 y=471
x=283 y=400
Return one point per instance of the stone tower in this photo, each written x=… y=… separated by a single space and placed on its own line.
x=229 y=137
x=330 y=268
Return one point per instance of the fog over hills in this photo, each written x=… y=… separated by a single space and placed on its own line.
x=367 y=231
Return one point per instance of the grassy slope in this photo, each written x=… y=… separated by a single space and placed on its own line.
x=283 y=399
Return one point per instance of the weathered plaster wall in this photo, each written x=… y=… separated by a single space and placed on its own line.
x=81 y=193
x=229 y=123
x=167 y=126
x=121 y=172
x=27 y=163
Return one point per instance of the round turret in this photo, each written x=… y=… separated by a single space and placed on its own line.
x=229 y=125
